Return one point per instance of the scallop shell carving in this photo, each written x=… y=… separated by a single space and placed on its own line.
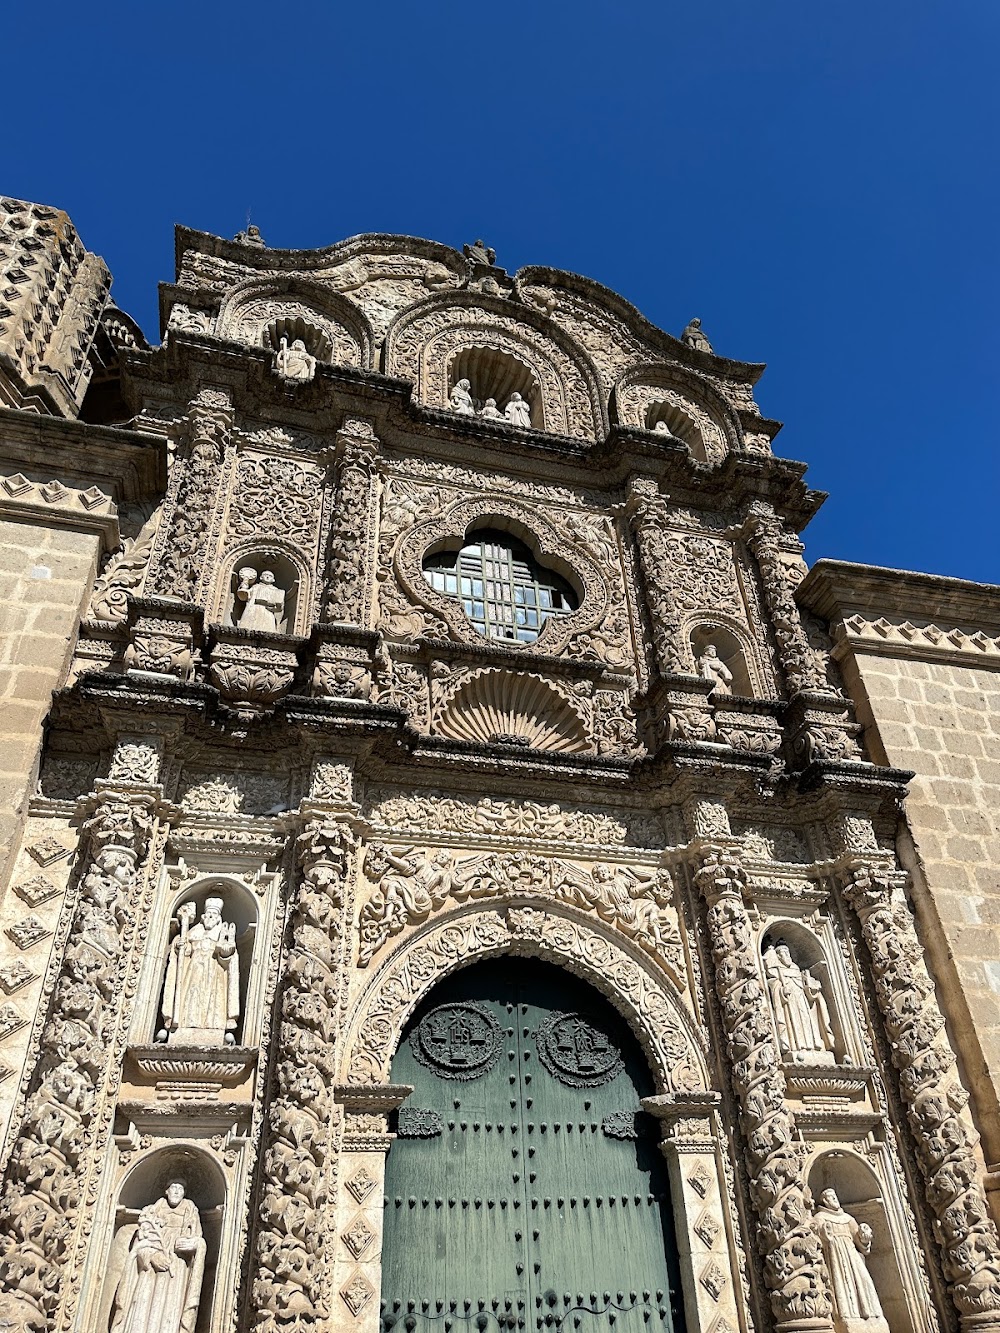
x=513 y=708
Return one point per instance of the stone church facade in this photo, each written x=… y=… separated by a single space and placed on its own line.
x=458 y=868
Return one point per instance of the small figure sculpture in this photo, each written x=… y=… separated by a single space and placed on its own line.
x=201 y=995
x=711 y=667
x=490 y=410
x=800 y=1011
x=295 y=362
x=461 y=399
x=265 y=601
x=480 y=253
x=251 y=236
x=517 y=411
x=694 y=337
x=845 y=1242
x=160 y=1287
x=661 y=428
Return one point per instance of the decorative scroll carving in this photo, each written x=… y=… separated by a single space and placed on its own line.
x=639 y=903
x=42 y=1192
x=182 y=548
x=123 y=574
x=793 y=1262
x=352 y=523
x=278 y=497
x=645 y=510
x=287 y=1287
x=458 y=940
x=803 y=668
x=928 y=1080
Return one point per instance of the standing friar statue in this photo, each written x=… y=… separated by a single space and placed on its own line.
x=160 y=1287
x=846 y=1242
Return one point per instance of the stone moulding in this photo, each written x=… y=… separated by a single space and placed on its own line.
x=225 y=1063
x=459 y=938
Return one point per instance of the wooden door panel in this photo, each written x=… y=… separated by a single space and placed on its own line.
x=542 y=1202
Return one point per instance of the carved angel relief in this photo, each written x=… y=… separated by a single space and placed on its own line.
x=411 y=885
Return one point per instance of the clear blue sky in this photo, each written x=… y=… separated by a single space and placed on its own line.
x=817 y=181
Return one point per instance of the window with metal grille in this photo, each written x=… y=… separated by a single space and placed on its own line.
x=503 y=589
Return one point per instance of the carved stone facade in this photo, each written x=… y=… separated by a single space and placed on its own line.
x=354 y=682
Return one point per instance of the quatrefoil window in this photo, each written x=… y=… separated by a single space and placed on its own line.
x=504 y=591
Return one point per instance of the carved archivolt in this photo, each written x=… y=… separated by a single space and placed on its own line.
x=462 y=938
x=493 y=706
x=424 y=342
x=651 y=387
x=250 y=309
x=550 y=548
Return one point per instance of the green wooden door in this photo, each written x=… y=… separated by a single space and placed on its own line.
x=526 y=1188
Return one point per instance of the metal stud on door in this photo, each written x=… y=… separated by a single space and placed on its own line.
x=526 y=1189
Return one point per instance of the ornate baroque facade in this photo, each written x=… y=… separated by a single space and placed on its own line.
x=395 y=616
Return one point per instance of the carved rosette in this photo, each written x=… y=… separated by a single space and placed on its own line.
x=346 y=580
x=929 y=1084
x=184 y=536
x=287 y=1289
x=646 y=517
x=793 y=1261
x=798 y=661
x=57 y=1145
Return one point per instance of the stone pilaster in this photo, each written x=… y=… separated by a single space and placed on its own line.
x=180 y=559
x=794 y=1269
x=928 y=1081
x=348 y=598
x=289 y=1286
x=692 y=1143
x=45 y=1211
x=644 y=510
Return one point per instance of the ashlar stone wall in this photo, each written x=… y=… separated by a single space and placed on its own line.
x=921 y=658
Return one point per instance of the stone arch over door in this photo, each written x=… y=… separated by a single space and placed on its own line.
x=645 y=1000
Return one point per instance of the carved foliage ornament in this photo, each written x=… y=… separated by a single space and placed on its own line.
x=793 y=1262
x=289 y=1243
x=42 y=1191
x=276 y=496
x=928 y=1080
x=552 y=550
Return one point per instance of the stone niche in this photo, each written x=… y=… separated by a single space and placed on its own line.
x=194 y=1280
x=890 y=1262
x=246 y=603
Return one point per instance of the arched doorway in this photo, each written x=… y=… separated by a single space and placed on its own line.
x=526 y=1189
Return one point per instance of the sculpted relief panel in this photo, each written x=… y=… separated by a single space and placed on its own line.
x=408 y=887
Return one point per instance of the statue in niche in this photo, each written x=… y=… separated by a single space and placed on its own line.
x=201 y=995
x=661 y=428
x=265 y=601
x=846 y=1242
x=160 y=1286
x=800 y=1011
x=461 y=399
x=295 y=362
x=517 y=411
x=711 y=667
x=490 y=410
x=693 y=336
